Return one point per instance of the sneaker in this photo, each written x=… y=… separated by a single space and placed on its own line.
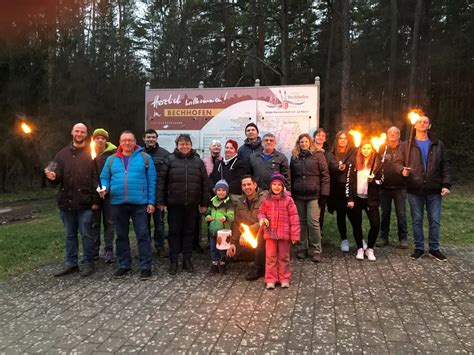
x=121 y=272
x=382 y=242
x=417 y=254
x=370 y=254
x=403 y=244
x=316 y=258
x=108 y=257
x=360 y=254
x=285 y=285
x=87 y=270
x=214 y=269
x=345 y=246
x=254 y=274
x=68 y=270
x=145 y=274
x=438 y=255
x=270 y=286
x=301 y=254
x=364 y=244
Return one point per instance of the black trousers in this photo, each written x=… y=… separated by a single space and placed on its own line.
x=181 y=222
x=355 y=216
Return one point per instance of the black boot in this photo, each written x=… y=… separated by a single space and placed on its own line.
x=173 y=267
x=187 y=265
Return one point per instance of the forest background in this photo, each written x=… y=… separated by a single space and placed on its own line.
x=65 y=61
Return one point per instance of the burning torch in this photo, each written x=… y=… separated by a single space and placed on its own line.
x=357 y=136
x=413 y=116
x=93 y=156
x=248 y=236
x=376 y=143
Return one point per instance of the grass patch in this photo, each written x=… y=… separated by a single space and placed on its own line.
x=28 y=195
x=26 y=245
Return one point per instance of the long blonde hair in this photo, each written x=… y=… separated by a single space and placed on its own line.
x=297 y=150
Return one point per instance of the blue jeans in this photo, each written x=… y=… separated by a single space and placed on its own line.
x=216 y=254
x=74 y=220
x=399 y=197
x=104 y=215
x=122 y=214
x=159 y=231
x=433 y=207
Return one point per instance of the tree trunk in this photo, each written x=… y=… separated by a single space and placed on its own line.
x=327 y=76
x=389 y=109
x=346 y=63
x=284 y=42
x=412 y=100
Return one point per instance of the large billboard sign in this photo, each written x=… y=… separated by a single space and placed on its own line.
x=223 y=113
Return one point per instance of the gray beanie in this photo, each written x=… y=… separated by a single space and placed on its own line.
x=222 y=184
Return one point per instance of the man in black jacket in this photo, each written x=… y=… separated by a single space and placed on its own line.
x=159 y=154
x=428 y=177
x=252 y=144
x=183 y=188
x=75 y=174
x=392 y=189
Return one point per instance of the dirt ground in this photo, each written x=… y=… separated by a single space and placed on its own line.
x=19 y=211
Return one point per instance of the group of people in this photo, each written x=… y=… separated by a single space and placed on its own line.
x=281 y=202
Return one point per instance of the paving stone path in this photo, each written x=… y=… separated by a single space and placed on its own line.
x=395 y=305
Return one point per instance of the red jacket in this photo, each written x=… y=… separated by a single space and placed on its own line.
x=283 y=216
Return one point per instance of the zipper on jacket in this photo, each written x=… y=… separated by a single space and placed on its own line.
x=186 y=181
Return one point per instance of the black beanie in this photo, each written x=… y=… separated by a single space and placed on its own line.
x=251 y=124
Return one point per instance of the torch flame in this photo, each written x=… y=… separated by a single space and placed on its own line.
x=413 y=116
x=247 y=234
x=27 y=129
x=357 y=137
x=378 y=141
x=93 y=153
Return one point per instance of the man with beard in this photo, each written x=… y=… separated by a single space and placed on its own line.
x=77 y=198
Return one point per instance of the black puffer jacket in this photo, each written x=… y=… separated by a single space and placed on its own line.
x=337 y=197
x=309 y=176
x=183 y=181
x=373 y=198
x=77 y=179
x=438 y=174
x=249 y=148
x=231 y=172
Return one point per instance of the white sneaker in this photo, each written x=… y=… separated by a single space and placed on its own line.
x=345 y=246
x=285 y=284
x=370 y=254
x=364 y=244
x=360 y=254
x=270 y=286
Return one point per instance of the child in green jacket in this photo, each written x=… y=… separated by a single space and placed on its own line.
x=220 y=214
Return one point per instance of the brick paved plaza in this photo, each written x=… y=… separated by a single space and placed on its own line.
x=395 y=305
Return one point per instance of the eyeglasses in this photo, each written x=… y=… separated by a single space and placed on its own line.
x=127 y=140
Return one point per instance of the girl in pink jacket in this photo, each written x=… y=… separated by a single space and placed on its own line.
x=279 y=218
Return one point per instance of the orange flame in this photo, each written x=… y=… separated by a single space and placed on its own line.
x=26 y=129
x=93 y=153
x=357 y=137
x=413 y=116
x=378 y=141
x=248 y=236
